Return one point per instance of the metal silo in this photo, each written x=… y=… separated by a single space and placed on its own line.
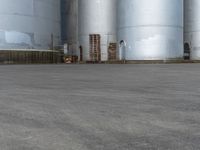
x=97 y=28
x=69 y=13
x=150 y=30
x=29 y=24
x=192 y=28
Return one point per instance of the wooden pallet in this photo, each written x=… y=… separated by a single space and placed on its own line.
x=95 y=47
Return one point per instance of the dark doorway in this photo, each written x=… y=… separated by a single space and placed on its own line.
x=81 y=53
x=186 y=51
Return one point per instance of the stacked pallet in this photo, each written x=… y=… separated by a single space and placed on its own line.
x=112 y=51
x=95 y=47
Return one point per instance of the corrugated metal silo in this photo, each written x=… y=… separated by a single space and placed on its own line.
x=192 y=28
x=150 y=29
x=97 y=27
x=69 y=15
x=29 y=24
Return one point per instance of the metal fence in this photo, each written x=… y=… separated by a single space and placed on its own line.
x=29 y=57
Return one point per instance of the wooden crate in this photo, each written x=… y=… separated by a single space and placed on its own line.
x=112 y=52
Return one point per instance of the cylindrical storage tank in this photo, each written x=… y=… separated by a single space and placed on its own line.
x=97 y=26
x=150 y=30
x=69 y=24
x=192 y=28
x=29 y=24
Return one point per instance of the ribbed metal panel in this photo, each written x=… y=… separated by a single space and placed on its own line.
x=150 y=29
x=28 y=24
x=97 y=17
x=192 y=27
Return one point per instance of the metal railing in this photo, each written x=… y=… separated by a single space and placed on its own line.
x=17 y=56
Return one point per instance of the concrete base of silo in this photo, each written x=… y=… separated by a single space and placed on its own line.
x=141 y=62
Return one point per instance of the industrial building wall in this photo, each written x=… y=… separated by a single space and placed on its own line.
x=69 y=24
x=150 y=30
x=192 y=28
x=146 y=31
x=29 y=24
x=97 y=17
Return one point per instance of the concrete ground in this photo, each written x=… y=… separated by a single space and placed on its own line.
x=100 y=107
